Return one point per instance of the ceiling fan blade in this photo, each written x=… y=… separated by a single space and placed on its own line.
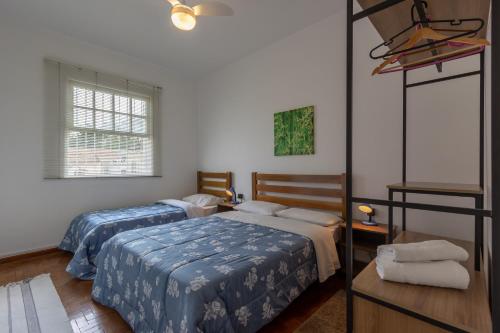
x=174 y=2
x=213 y=8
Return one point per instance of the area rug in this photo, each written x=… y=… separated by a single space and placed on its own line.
x=330 y=318
x=32 y=306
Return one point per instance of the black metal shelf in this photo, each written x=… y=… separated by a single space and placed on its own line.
x=445 y=189
x=437 y=188
x=475 y=191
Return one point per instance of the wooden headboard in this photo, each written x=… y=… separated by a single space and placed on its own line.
x=215 y=183
x=277 y=188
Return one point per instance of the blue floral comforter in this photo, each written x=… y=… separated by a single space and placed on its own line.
x=88 y=232
x=203 y=275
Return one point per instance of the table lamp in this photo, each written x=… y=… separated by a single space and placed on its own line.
x=370 y=211
x=231 y=193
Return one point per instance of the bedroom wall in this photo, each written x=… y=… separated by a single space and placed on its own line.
x=236 y=106
x=34 y=213
x=443 y=143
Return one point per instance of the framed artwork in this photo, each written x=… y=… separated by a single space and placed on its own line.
x=294 y=132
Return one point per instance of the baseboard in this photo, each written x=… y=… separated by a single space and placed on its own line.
x=28 y=254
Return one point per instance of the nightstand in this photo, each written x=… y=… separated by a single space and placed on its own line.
x=364 y=238
x=225 y=207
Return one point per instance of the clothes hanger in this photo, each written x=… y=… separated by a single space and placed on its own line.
x=437 y=59
x=418 y=23
x=429 y=33
x=430 y=49
x=439 y=40
x=425 y=39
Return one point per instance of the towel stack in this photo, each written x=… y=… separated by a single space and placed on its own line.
x=431 y=263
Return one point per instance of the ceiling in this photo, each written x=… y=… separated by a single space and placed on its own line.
x=142 y=28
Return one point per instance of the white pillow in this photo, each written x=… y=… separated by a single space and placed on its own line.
x=312 y=216
x=259 y=207
x=203 y=200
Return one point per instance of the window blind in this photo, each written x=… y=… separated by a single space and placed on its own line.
x=99 y=125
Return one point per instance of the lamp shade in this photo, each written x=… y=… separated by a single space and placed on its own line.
x=367 y=209
x=232 y=193
x=183 y=17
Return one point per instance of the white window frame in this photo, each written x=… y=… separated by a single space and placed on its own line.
x=62 y=79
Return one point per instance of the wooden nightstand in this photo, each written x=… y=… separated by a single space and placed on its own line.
x=364 y=238
x=225 y=207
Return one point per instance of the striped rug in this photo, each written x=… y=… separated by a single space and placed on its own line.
x=32 y=306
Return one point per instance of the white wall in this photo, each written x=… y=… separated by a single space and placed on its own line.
x=34 y=213
x=236 y=106
x=443 y=143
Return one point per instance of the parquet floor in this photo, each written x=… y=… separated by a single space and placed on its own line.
x=90 y=317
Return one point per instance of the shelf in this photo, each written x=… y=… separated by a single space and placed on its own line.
x=225 y=207
x=377 y=229
x=465 y=309
x=365 y=246
x=366 y=237
x=226 y=204
x=438 y=188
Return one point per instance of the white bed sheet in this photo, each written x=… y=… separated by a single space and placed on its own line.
x=191 y=210
x=336 y=232
x=322 y=237
x=209 y=210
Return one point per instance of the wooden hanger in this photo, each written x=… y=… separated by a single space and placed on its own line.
x=439 y=58
x=429 y=33
x=425 y=33
x=454 y=26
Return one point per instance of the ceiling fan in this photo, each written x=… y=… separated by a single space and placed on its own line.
x=184 y=16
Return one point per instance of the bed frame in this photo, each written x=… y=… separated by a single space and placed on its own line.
x=296 y=190
x=214 y=183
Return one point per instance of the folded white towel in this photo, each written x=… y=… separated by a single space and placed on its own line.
x=445 y=273
x=424 y=251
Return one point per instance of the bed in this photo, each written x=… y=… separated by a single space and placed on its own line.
x=229 y=272
x=89 y=231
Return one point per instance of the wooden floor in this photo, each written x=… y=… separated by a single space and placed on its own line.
x=88 y=316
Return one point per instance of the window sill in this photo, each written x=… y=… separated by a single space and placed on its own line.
x=99 y=178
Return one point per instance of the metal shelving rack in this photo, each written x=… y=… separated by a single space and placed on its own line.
x=479 y=213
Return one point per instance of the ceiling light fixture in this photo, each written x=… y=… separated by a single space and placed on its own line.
x=183 y=17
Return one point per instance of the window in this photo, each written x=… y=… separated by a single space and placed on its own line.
x=103 y=131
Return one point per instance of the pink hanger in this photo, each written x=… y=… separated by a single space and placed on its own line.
x=464 y=55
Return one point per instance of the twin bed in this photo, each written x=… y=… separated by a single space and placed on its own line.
x=229 y=272
x=89 y=231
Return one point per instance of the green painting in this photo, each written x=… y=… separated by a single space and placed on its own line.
x=294 y=132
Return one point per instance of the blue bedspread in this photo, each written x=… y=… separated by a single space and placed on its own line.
x=88 y=232
x=203 y=275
